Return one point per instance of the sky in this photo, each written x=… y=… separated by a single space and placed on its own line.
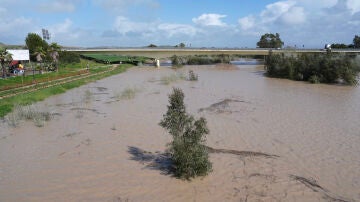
x=196 y=23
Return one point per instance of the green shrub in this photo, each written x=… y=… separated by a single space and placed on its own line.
x=223 y=58
x=179 y=61
x=176 y=61
x=199 y=60
x=314 y=79
x=69 y=57
x=312 y=67
x=188 y=152
x=349 y=76
x=193 y=76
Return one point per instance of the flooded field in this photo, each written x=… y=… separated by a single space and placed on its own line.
x=104 y=143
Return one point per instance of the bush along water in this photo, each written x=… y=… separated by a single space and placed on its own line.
x=193 y=76
x=188 y=152
x=314 y=67
x=179 y=61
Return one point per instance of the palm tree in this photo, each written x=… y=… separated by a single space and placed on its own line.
x=53 y=51
x=39 y=54
x=5 y=56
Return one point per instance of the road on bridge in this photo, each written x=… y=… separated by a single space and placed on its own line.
x=168 y=52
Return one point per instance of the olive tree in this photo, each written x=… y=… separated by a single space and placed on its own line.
x=34 y=42
x=270 y=40
x=188 y=152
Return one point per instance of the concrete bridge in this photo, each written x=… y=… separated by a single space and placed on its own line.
x=168 y=52
x=159 y=53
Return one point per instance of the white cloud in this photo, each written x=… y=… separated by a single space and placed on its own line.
x=14 y=25
x=123 y=25
x=177 y=29
x=65 y=33
x=127 y=28
x=64 y=27
x=285 y=12
x=247 y=22
x=316 y=5
x=353 y=5
x=14 y=30
x=123 y=5
x=209 y=20
x=281 y=14
x=276 y=10
x=294 y=16
x=58 y=6
x=307 y=22
x=345 y=5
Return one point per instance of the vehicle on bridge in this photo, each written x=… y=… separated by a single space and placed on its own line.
x=327 y=47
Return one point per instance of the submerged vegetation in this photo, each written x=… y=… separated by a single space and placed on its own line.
x=166 y=80
x=178 y=61
x=189 y=154
x=193 y=76
x=28 y=112
x=315 y=68
x=127 y=94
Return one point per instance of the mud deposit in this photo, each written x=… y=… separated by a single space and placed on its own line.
x=270 y=140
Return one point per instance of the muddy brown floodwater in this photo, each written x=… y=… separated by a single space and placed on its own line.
x=270 y=139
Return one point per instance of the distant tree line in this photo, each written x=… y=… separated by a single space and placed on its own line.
x=270 y=40
x=180 y=45
x=355 y=44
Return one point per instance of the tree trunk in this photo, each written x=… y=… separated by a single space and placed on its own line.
x=3 y=69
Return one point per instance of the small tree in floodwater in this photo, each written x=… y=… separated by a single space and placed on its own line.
x=187 y=150
x=176 y=61
x=193 y=76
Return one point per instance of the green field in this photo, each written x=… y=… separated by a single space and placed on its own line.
x=113 y=59
x=27 y=90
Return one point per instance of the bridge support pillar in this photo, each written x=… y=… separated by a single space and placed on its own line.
x=157 y=63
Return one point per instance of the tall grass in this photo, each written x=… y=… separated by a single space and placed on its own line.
x=28 y=112
x=128 y=93
x=88 y=95
x=166 y=80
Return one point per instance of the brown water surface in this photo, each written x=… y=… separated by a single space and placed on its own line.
x=103 y=147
